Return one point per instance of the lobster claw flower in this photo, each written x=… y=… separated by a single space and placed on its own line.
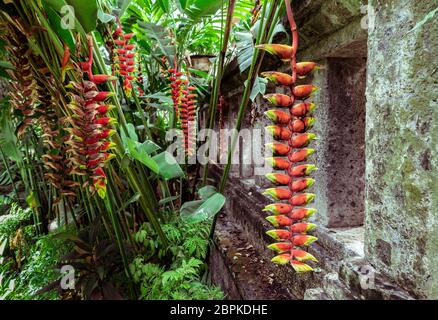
x=279 y=133
x=278 y=193
x=102 y=78
x=278 y=178
x=284 y=52
x=280 y=100
x=302 y=199
x=279 y=221
x=102 y=96
x=304 y=91
x=278 y=148
x=105 y=121
x=279 y=234
x=282 y=259
x=301 y=184
x=278 y=208
x=301 y=213
x=302 y=109
x=301 y=140
x=304 y=68
x=302 y=227
x=302 y=170
x=281 y=247
x=278 y=163
x=278 y=116
x=279 y=78
x=300 y=155
x=300 y=267
x=303 y=240
x=301 y=255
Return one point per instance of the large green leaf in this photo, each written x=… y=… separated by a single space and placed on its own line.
x=55 y=22
x=141 y=155
x=201 y=8
x=259 y=87
x=200 y=210
x=206 y=192
x=8 y=141
x=168 y=166
x=164 y=5
x=86 y=13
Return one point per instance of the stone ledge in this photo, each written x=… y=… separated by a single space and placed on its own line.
x=240 y=251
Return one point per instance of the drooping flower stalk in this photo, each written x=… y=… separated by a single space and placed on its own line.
x=24 y=94
x=124 y=58
x=89 y=127
x=289 y=213
x=184 y=104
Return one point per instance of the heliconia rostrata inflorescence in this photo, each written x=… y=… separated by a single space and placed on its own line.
x=292 y=120
x=184 y=103
x=89 y=126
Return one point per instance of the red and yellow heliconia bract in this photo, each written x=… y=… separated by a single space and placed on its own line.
x=278 y=116
x=289 y=214
x=279 y=208
x=284 y=52
x=300 y=155
x=280 y=221
x=280 y=100
x=302 y=109
x=279 y=133
x=304 y=91
x=278 y=163
x=278 y=78
x=278 y=149
x=304 y=68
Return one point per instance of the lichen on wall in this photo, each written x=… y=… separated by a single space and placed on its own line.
x=401 y=145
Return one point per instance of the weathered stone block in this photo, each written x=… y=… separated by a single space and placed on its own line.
x=401 y=145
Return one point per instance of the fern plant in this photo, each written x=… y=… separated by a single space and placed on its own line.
x=181 y=280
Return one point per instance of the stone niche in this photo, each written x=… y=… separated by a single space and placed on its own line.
x=340 y=155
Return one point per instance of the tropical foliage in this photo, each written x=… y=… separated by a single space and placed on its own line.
x=96 y=90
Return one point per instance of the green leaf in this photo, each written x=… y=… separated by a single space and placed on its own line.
x=164 y=5
x=55 y=22
x=259 y=87
x=197 y=211
x=167 y=200
x=148 y=147
x=132 y=133
x=206 y=192
x=124 y=7
x=105 y=17
x=141 y=155
x=86 y=13
x=6 y=65
x=168 y=166
x=201 y=8
x=132 y=200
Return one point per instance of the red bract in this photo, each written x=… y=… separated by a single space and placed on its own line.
x=87 y=145
x=291 y=126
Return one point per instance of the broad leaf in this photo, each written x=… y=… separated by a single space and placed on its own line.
x=206 y=192
x=197 y=211
x=86 y=13
x=259 y=87
x=168 y=166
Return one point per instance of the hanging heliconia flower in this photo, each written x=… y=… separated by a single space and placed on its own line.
x=291 y=125
x=24 y=94
x=89 y=127
x=124 y=58
x=189 y=119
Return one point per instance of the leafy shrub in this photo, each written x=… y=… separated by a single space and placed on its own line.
x=182 y=279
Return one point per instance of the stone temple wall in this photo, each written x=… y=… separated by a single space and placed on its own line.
x=377 y=186
x=402 y=144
